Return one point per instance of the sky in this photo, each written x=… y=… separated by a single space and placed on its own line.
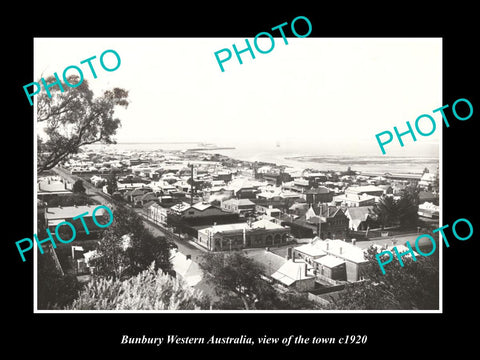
x=336 y=92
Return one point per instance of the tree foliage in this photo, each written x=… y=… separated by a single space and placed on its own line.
x=238 y=282
x=236 y=274
x=78 y=199
x=78 y=187
x=436 y=182
x=402 y=211
x=386 y=210
x=149 y=290
x=415 y=286
x=112 y=183
x=53 y=289
x=73 y=118
x=407 y=207
x=127 y=247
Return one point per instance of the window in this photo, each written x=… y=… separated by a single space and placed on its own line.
x=191 y=212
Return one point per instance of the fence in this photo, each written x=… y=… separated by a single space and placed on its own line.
x=328 y=289
x=318 y=299
x=328 y=280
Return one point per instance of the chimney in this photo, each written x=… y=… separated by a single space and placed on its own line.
x=306 y=270
x=289 y=253
x=189 y=257
x=354 y=241
x=293 y=255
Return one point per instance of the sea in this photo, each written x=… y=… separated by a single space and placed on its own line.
x=299 y=156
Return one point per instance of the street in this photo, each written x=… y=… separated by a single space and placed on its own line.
x=183 y=246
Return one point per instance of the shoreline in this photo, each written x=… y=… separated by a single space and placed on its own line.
x=324 y=163
x=379 y=162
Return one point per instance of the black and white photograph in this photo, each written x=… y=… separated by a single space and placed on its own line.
x=292 y=181
x=267 y=192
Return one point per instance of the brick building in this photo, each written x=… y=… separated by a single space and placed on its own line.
x=238 y=236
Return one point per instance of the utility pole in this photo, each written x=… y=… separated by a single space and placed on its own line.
x=191 y=186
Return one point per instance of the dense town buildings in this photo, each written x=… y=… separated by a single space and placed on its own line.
x=301 y=225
